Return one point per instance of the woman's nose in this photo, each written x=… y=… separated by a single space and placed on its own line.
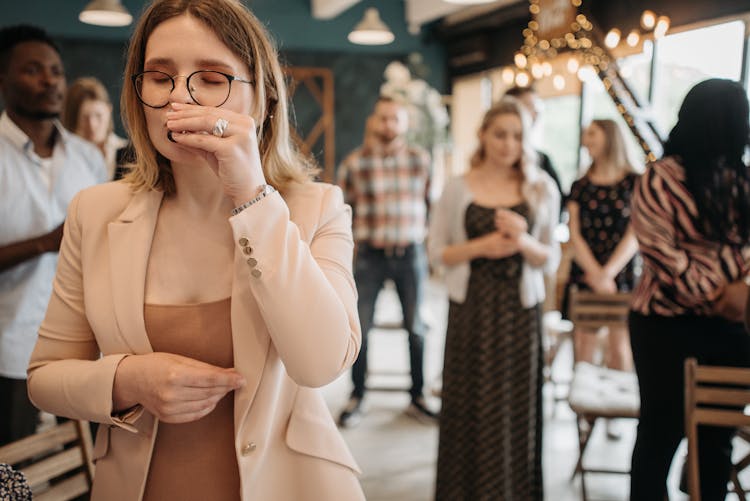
x=180 y=93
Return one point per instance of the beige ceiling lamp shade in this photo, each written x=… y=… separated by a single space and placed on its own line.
x=371 y=30
x=105 y=13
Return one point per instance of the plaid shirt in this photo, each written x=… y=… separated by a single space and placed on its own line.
x=388 y=193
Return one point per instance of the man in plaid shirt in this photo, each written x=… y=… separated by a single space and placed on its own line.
x=387 y=183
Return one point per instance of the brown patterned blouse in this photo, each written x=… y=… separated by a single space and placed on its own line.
x=683 y=272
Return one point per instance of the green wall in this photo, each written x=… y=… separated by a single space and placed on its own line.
x=358 y=70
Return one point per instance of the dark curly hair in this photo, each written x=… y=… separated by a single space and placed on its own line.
x=11 y=36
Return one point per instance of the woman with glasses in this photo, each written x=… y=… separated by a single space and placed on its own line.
x=200 y=301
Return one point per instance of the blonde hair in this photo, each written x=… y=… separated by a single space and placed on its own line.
x=83 y=89
x=534 y=186
x=615 y=150
x=246 y=37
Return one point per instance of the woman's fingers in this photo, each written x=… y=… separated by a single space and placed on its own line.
x=188 y=412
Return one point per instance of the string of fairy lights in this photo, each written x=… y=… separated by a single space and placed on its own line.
x=590 y=56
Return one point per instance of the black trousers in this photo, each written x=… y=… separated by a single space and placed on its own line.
x=408 y=270
x=660 y=347
x=18 y=416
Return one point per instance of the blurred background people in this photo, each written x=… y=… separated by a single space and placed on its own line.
x=691 y=215
x=534 y=106
x=602 y=238
x=492 y=230
x=42 y=166
x=600 y=232
x=88 y=112
x=387 y=183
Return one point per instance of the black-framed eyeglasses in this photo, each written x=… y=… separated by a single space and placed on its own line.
x=206 y=87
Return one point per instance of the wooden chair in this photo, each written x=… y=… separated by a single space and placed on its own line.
x=593 y=310
x=714 y=396
x=598 y=392
x=56 y=462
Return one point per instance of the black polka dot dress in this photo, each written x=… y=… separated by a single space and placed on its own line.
x=604 y=215
x=491 y=419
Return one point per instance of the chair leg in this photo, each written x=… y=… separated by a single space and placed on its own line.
x=584 y=435
x=738 y=489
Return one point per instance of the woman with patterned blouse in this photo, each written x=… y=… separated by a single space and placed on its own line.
x=691 y=215
x=601 y=235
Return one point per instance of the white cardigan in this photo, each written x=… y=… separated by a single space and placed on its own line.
x=447 y=228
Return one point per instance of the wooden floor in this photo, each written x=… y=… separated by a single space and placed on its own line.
x=397 y=454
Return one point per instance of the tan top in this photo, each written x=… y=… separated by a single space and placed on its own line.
x=194 y=460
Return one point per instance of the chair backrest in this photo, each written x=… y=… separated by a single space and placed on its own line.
x=56 y=462
x=592 y=310
x=714 y=396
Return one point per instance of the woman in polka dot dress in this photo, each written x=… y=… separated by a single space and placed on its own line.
x=603 y=241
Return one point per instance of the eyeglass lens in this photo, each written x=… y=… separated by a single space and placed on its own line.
x=207 y=88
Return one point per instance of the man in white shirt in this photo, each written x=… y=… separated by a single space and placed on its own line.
x=42 y=167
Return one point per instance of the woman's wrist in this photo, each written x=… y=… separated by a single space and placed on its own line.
x=609 y=271
x=123 y=397
x=525 y=242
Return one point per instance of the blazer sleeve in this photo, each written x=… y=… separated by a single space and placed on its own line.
x=66 y=374
x=306 y=294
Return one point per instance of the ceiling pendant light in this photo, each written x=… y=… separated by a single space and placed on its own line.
x=105 y=13
x=371 y=30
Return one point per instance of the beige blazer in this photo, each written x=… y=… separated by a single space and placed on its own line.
x=294 y=328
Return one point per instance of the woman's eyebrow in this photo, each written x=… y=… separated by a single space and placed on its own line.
x=215 y=63
x=201 y=63
x=158 y=61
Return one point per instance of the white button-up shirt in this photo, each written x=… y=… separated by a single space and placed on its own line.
x=34 y=196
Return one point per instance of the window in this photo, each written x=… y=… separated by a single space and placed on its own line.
x=684 y=59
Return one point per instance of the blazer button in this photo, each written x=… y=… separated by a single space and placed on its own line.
x=256 y=273
x=252 y=262
x=247 y=250
x=248 y=448
x=244 y=242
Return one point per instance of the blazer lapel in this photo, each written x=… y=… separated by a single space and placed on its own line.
x=130 y=240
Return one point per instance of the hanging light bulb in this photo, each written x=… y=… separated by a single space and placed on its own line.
x=612 y=38
x=537 y=70
x=573 y=65
x=662 y=26
x=520 y=60
x=633 y=38
x=586 y=74
x=648 y=19
x=558 y=82
x=522 y=79
x=371 y=30
x=508 y=75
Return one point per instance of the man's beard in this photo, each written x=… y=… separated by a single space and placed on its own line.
x=40 y=115
x=387 y=138
x=36 y=114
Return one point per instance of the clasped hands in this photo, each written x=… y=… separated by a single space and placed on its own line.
x=508 y=239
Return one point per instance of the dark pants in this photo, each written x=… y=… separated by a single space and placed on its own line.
x=18 y=416
x=660 y=347
x=407 y=267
